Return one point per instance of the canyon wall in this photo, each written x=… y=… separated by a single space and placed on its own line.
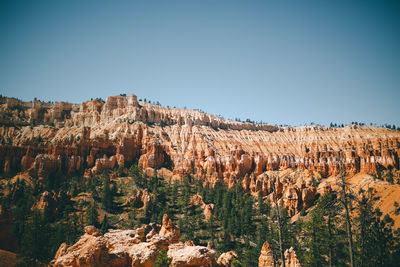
x=47 y=139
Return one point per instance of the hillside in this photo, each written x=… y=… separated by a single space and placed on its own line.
x=68 y=154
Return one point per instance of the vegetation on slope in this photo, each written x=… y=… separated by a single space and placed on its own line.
x=239 y=221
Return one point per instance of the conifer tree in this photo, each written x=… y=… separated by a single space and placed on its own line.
x=35 y=238
x=210 y=228
x=107 y=197
x=104 y=225
x=92 y=215
x=315 y=232
x=373 y=230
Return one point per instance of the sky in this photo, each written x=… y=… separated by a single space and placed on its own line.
x=280 y=62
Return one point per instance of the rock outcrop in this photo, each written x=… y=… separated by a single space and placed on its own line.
x=47 y=201
x=266 y=258
x=226 y=258
x=291 y=258
x=140 y=200
x=188 y=256
x=50 y=203
x=197 y=200
x=138 y=247
x=170 y=231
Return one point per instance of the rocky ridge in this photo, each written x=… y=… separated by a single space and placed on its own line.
x=48 y=139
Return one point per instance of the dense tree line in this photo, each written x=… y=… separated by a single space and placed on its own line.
x=239 y=222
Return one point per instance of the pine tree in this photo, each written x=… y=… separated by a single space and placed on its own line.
x=262 y=232
x=328 y=207
x=75 y=225
x=321 y=238
x=315 y=233
x=210 y=229
x=373 y=230
x=35 y=238
x=174 y=194
x=107 y=197
x=250 y=255
x=104 y=225
x=263 y=208
x=92 y=215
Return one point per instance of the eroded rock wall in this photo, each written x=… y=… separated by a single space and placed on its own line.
x=48 y=139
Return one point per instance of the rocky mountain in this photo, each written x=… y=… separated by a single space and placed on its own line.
x=43 y=141
x=48 y=138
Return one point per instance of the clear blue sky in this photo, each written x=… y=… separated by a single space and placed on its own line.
x=282 y=62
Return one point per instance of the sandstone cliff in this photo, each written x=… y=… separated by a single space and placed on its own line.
x=47 y=139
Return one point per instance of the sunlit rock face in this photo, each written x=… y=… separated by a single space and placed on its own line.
x=266 y=258
x=48 y=139
x=197 y=200
x=138 y=247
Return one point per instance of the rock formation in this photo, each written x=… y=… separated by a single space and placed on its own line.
x=138 y=247
x=188 y=256
x=197 y=200
x=291 y=258
x=169 y=230
x=50 y=139
x=47 y=201
x=50 y=203
x=226 y=258
x=140 y=200
x=266 y=258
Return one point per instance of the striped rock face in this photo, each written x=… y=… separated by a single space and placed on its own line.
x=48 y=138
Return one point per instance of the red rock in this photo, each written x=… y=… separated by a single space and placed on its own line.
x=291 y=258
x=153 y=157
x=46 y=164
x=266 y=258
x=61 y=251
x=140 y=200
x=184 y=141
x=169 y=230
x=48 y=200
x=138 y=247
x=292 y=200
x=226 y=258
x=208 y=209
